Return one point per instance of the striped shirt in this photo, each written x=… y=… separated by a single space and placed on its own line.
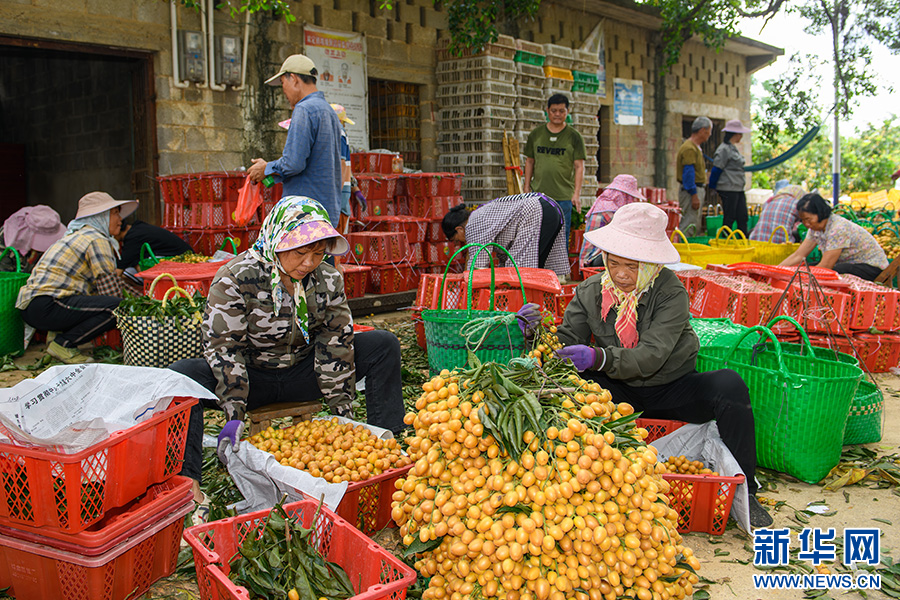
x=80 y=264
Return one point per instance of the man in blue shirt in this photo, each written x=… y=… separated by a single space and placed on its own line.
x=311 y=163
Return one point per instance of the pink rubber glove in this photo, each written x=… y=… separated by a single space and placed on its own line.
x=583 y=357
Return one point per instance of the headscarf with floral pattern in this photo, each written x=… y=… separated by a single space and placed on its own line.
x=289 y=214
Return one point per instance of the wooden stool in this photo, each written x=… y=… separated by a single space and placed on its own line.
x=261 y=417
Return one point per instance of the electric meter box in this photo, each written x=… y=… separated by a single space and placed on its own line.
x=228 y=60
x=191 y=63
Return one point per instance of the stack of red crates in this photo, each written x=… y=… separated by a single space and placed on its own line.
x=88 y=525
x=200 y=207
x=405 y=204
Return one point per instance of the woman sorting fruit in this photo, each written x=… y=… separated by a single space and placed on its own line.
x=846 y=247
x=629 y=330
x=74 y=288
x=278 y=329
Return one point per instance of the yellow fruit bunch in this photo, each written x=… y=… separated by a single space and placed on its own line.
x=681 y=465
x=335 y=451
x=547 y=342
x=577 y=515
x=190 y=257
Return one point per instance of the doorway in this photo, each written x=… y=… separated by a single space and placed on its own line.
x=83 y=119
x=394 y=119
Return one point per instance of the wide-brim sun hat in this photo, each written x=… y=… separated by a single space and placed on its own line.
x=735 y=126
x=295 y=63
x=310 y=233
x=637 y=232
x=33 y=228
x=97 y=202
x=627 y=184
x=342 y=114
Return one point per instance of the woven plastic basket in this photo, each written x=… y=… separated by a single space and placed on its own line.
x=447 y=347
x=805 y=347
x=12 y=330
x=866 y=412
x=735 y=244
x=701 y=255
x=800 y=404
x=772 y=253
x=718 y=332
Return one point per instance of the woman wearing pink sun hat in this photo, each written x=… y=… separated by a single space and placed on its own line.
x=621 y=191
x=629 y=329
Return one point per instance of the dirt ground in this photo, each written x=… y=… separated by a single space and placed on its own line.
x=726 y=560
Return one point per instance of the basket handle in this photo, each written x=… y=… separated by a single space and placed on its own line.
x=767 y=333
x=725 y=228
x=807 y=345
x=146 y=249
x=787 y=235
x=687 y=246
x=158 y=277
x=17 y=256
x=481 y=247
x=229 y=240
x=680 y=234
x=886 y=225
x=179 y=290
x=738 y=236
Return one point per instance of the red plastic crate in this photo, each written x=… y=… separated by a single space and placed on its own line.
x=201 y=200
x=378 y=207
x=415 y=228
x=434 y=232
x=563 y=300
x=375 y=573
x=657 y=428
x=433 y=207
x=505 y=300
x=576 y=236
x=367 y=504
x=879 y=352
x=703 y=502
x=112 y=338
x=378 y=187
x=356 y=279
x=387 y=279
x=69 y=492
x=417 y=254
x=372 y=162
x=828 y=314
x=440 y=252
x=740 y=299
x=208 y=241
x=118 y=525
x=872 y=305
x=575 y=268
x=588 y=272
x=379 y=248
x=127 y=570
x=192 y=277
x=429 y=185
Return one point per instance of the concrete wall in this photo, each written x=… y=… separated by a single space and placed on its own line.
x=74 y=116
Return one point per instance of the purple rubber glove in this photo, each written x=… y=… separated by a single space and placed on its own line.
x=361 y=199
x=529 y=318
x=583 y=357
x=230 y=433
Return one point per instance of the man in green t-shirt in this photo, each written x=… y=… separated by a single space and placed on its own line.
x=690 y=171
x=554 y=159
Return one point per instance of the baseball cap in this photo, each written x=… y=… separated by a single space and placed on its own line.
x=295 y=63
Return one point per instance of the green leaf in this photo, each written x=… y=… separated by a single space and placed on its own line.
x=419 y=547
x=880 y=520
x=719 y=552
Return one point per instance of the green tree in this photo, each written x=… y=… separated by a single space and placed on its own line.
x=870 y=157
x=236 y=7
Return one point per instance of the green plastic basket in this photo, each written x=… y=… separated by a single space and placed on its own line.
x=800 y=403
x=148 y=259
x=866 y=412
x=805 y=347
x=719 y=332
x=529 y=58
x=12 y=329
x=447 y=348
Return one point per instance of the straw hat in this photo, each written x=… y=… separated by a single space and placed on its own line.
x=97 y=202
x=342 y=114
x=637 y=232
x=627 y=184
x=735 y=126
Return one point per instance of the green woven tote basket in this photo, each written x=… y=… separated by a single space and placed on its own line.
x=800 y=404
x=446 y=346
x=805 y=347
x=866 y=410
x=12 y=329
x=719 y=332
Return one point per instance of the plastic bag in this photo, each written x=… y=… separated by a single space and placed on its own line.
x=249 y=201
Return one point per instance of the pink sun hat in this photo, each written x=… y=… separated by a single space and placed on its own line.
x=33 y=228
x=310 y=233
x=627 y=184
x=735 y=126
x=637 y=232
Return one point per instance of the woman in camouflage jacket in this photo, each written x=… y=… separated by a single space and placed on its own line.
x=278 y=329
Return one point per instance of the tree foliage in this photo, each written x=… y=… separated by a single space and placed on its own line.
x=869 y=157
x=279 y=7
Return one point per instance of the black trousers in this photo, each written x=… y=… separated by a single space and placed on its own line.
x=78 y=319
x=551 y=223
x=734 y=208
x=697 y=398
x=867 y=272
x=377 y=359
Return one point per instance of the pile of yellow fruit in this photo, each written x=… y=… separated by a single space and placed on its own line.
x=888 y=241
x=681 y=465
x=335 y=451
x=578 y=515
x=547 y=343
